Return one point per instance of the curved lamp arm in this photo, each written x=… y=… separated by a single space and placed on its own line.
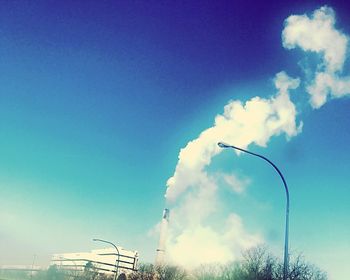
x=286 y=255
x=117 y=261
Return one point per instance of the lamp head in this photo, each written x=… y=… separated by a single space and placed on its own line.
x=223 y=145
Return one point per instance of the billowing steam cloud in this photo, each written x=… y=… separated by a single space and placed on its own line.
x=255 y=121
x=318 y=34
x=252 y=122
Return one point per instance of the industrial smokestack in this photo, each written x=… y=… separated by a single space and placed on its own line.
x=162 y=238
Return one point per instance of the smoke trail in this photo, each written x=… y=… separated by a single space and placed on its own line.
x=253 y=122
x=318 y=34
x=256 y=121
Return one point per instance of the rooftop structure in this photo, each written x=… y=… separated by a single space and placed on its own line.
x=103 y=260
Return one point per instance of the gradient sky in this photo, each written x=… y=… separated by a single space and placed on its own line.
x=98 y=97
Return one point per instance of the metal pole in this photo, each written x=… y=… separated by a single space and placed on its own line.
x=286 y=255
x=117 y=260
x=31 y=272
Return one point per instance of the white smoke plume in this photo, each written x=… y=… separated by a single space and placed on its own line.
x=255 y=121
x=318 y=34
x=237 y=185
x=191 y=240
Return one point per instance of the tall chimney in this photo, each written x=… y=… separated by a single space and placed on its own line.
x=160 y=257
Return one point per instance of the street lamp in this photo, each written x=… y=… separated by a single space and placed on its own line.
x=286 y=256
x=117 y=260
x=31 y=272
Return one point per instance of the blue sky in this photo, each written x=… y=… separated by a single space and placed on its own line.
x=97 y=99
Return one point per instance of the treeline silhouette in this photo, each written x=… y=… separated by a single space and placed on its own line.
x=256 y=264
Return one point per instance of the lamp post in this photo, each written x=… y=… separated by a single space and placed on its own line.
x=286 y=256
x=31 y=272
x=117 y=260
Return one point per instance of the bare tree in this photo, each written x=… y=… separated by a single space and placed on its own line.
x=301 y=270
x=257 y=264
x=168 y=272
x=145 y=272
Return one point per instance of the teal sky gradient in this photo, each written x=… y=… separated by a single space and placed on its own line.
x=97 y=99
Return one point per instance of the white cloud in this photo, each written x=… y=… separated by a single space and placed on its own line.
x=328 y=84
x=237 y=184
x=318 y=34
x=204 y=244
x=237 y=235
x=256 y=121
x=199 y=245
x=193 y=240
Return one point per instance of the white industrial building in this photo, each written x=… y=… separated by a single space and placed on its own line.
x=102 y=260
